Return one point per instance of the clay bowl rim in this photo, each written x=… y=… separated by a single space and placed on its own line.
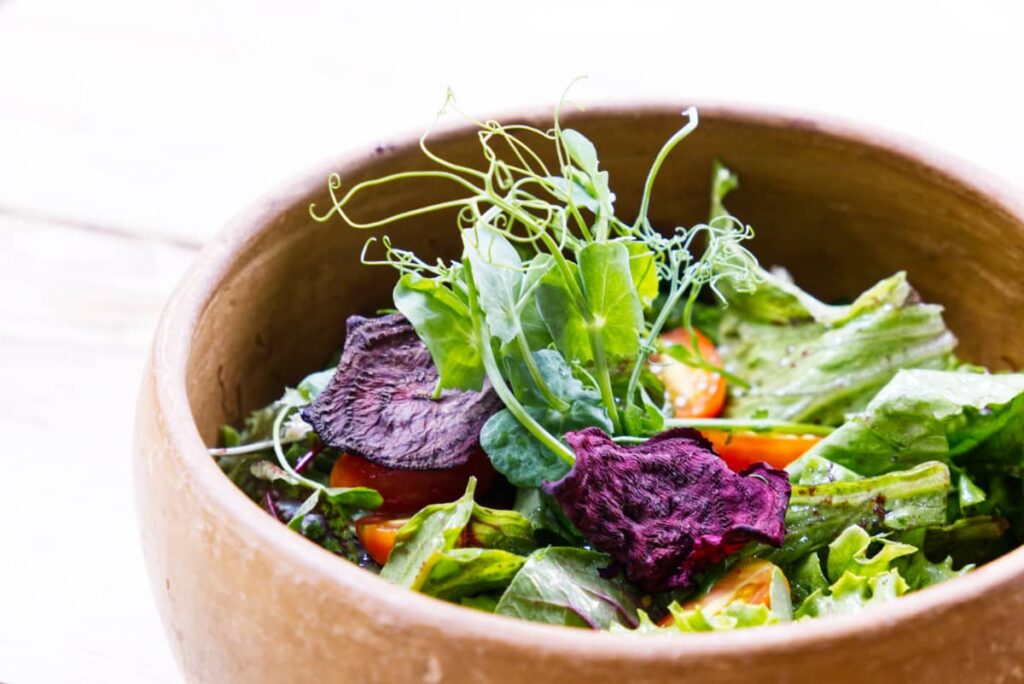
x=172 y=351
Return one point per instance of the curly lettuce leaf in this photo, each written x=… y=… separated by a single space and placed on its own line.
x=737 y=615
x=861 y=569
x=852 y=594
x=564 y=586
x=849 y=552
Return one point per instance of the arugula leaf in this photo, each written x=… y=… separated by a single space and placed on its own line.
x=461 y=573
x=563 y=586
x=924 y=415
x=442 y=321
x=423 y=541
x=895 y=501
x=612 y=297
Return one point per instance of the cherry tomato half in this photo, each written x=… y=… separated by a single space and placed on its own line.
x=750 y=582
x=694 y=392
x=742 y=449
x=407 y=491
x=377 y=535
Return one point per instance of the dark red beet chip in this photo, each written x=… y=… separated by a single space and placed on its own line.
x=669 y=507
x=378 y=405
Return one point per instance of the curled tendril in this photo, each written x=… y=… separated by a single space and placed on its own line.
x=515 y=194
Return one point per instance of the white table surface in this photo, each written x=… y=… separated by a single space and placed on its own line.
x=131 y=131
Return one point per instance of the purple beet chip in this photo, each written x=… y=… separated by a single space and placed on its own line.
x=379 y=403
x=669 y=507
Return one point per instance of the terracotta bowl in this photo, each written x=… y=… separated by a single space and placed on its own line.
x=243 y=599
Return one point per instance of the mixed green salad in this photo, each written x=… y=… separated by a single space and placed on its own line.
x=592 y=421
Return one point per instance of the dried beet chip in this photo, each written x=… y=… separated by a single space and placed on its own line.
x=669 y=507
x=378 y=405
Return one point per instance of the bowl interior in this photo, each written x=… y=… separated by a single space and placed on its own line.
x=839 y=210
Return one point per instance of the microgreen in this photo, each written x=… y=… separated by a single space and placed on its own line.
x=547 y=266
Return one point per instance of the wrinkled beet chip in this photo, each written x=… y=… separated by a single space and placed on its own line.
x=669 y=507
x=378 y=404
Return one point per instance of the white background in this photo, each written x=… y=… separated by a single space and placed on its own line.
x=131 y=131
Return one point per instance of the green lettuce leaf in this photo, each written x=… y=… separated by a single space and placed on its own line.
x=811 y=372
x=546 y=516
x=563 y=586
x=900 y=500
x=924 y=415
x=808 y=361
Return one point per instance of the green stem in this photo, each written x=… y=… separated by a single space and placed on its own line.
x=666 y=149
x=604 y=379
x=251 y=448
x=553 y=400
x=279 y=452
x=778 y=427
x=502 y=389
x=641 y=359
x=597 y=345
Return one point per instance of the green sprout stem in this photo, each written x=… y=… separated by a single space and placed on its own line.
x=553 y=399
x=501 y=387
x=778 y=427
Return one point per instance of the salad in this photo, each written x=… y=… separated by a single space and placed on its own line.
x=589 y=420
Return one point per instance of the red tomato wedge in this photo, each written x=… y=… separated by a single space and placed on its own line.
x=742 y=449
x=694 y=392
x=750 y=582
x=377 y=535
x=407 y=491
